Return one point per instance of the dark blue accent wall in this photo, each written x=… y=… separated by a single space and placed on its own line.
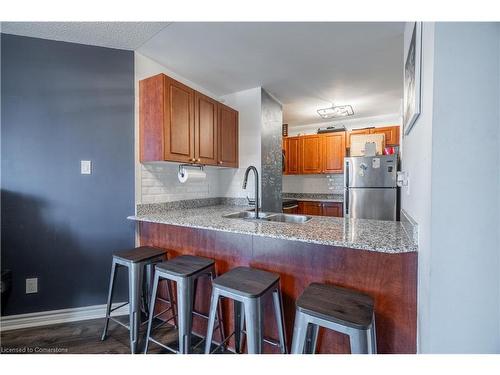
x=62 y=103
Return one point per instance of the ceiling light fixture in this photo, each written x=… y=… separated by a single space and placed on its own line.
x=336 y=111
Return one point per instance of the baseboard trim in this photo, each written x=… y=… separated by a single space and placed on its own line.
x=45 y=318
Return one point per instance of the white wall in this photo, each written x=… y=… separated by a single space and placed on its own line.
x=454 y=137
x=248 y=104
x=465 y=259
x=416 y=156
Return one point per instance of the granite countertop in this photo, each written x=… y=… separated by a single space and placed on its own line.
x=315 y=197
x=371 y=235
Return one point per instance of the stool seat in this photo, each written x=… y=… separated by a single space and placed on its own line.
x=336 y=304
x=246 y=281
x=139 y=254
x=185 y=265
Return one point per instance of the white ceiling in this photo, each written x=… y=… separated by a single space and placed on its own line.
x=307 y=66
x=121 y=35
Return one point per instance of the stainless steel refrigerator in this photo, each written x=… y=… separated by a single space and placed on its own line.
x=370 y=190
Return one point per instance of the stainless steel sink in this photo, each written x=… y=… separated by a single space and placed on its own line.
x=287 y=218
x=246 y=215
x=269 y=216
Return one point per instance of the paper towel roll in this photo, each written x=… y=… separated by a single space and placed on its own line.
x=191 y=175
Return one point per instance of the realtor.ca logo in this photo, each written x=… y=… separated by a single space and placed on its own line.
x=31 y=350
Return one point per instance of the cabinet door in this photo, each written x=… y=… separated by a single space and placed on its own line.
x=391 y=134
x=151 y=118
x=310 y=154
x=228 y=137
x=310 y=208
x=354 y=132
x=292 y=155
x=333 y=152
x=205 y=129
x=332 y=209
x=179 y=122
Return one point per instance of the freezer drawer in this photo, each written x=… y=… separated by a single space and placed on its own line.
x=370 y=203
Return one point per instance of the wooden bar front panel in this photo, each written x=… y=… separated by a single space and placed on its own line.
x=391 y=279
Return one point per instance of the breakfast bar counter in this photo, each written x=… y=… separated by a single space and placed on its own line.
x=375 y=257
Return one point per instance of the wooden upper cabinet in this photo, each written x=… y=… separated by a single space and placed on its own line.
x=205 y=129
x=292 y=155
x=228 y=136
x=354 y=132
x=166 y=120
x=333 y=152
x=310 y=154
x=179 y=127
x=152 y=118
x=179 y=124
x=391 y=134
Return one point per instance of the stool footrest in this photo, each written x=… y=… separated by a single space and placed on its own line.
x=120 y=323
x=267 y=340
x=163 y=345
x=116 y=308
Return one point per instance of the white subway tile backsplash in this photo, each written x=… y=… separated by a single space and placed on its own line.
x=321 y=184
x=159 y=183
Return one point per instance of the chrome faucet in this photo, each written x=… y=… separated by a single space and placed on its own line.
x=256 y=187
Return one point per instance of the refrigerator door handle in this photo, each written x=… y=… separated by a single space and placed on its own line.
x=346 y=172
x=346 y=202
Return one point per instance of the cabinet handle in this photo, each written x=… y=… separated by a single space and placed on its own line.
x=220 y=161
x=198 y=160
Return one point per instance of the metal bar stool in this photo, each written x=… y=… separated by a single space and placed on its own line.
x=136 y=261
x=185 y=271
x=339 y=309
x=247 y=287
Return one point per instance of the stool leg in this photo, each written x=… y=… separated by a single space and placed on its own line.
x=372 y=339
x=214 y=302
x=299 y=333
x=278 y=312
x=110 y=299
x=253 y=316
x=239 y=323
x=185 y=309
x=152 y=304
x=359 y=341
x=135 y=286
x=219 y=312
x=146 y=287
x=171 y=299
x=311 y=338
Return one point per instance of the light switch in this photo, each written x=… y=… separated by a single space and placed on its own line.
x=85 y=167
x=32 y=285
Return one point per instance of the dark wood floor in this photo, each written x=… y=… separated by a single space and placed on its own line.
x=84 y=337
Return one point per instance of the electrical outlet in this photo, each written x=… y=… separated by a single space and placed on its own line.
x=32 y=285
x=85 y=167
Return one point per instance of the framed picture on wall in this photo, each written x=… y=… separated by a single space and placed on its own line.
x=412 y=70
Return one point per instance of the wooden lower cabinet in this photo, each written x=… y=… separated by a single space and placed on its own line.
x=310 y=208
x=390 y=279
x=334 y=209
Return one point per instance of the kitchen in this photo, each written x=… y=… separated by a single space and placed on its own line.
x=257 y=170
